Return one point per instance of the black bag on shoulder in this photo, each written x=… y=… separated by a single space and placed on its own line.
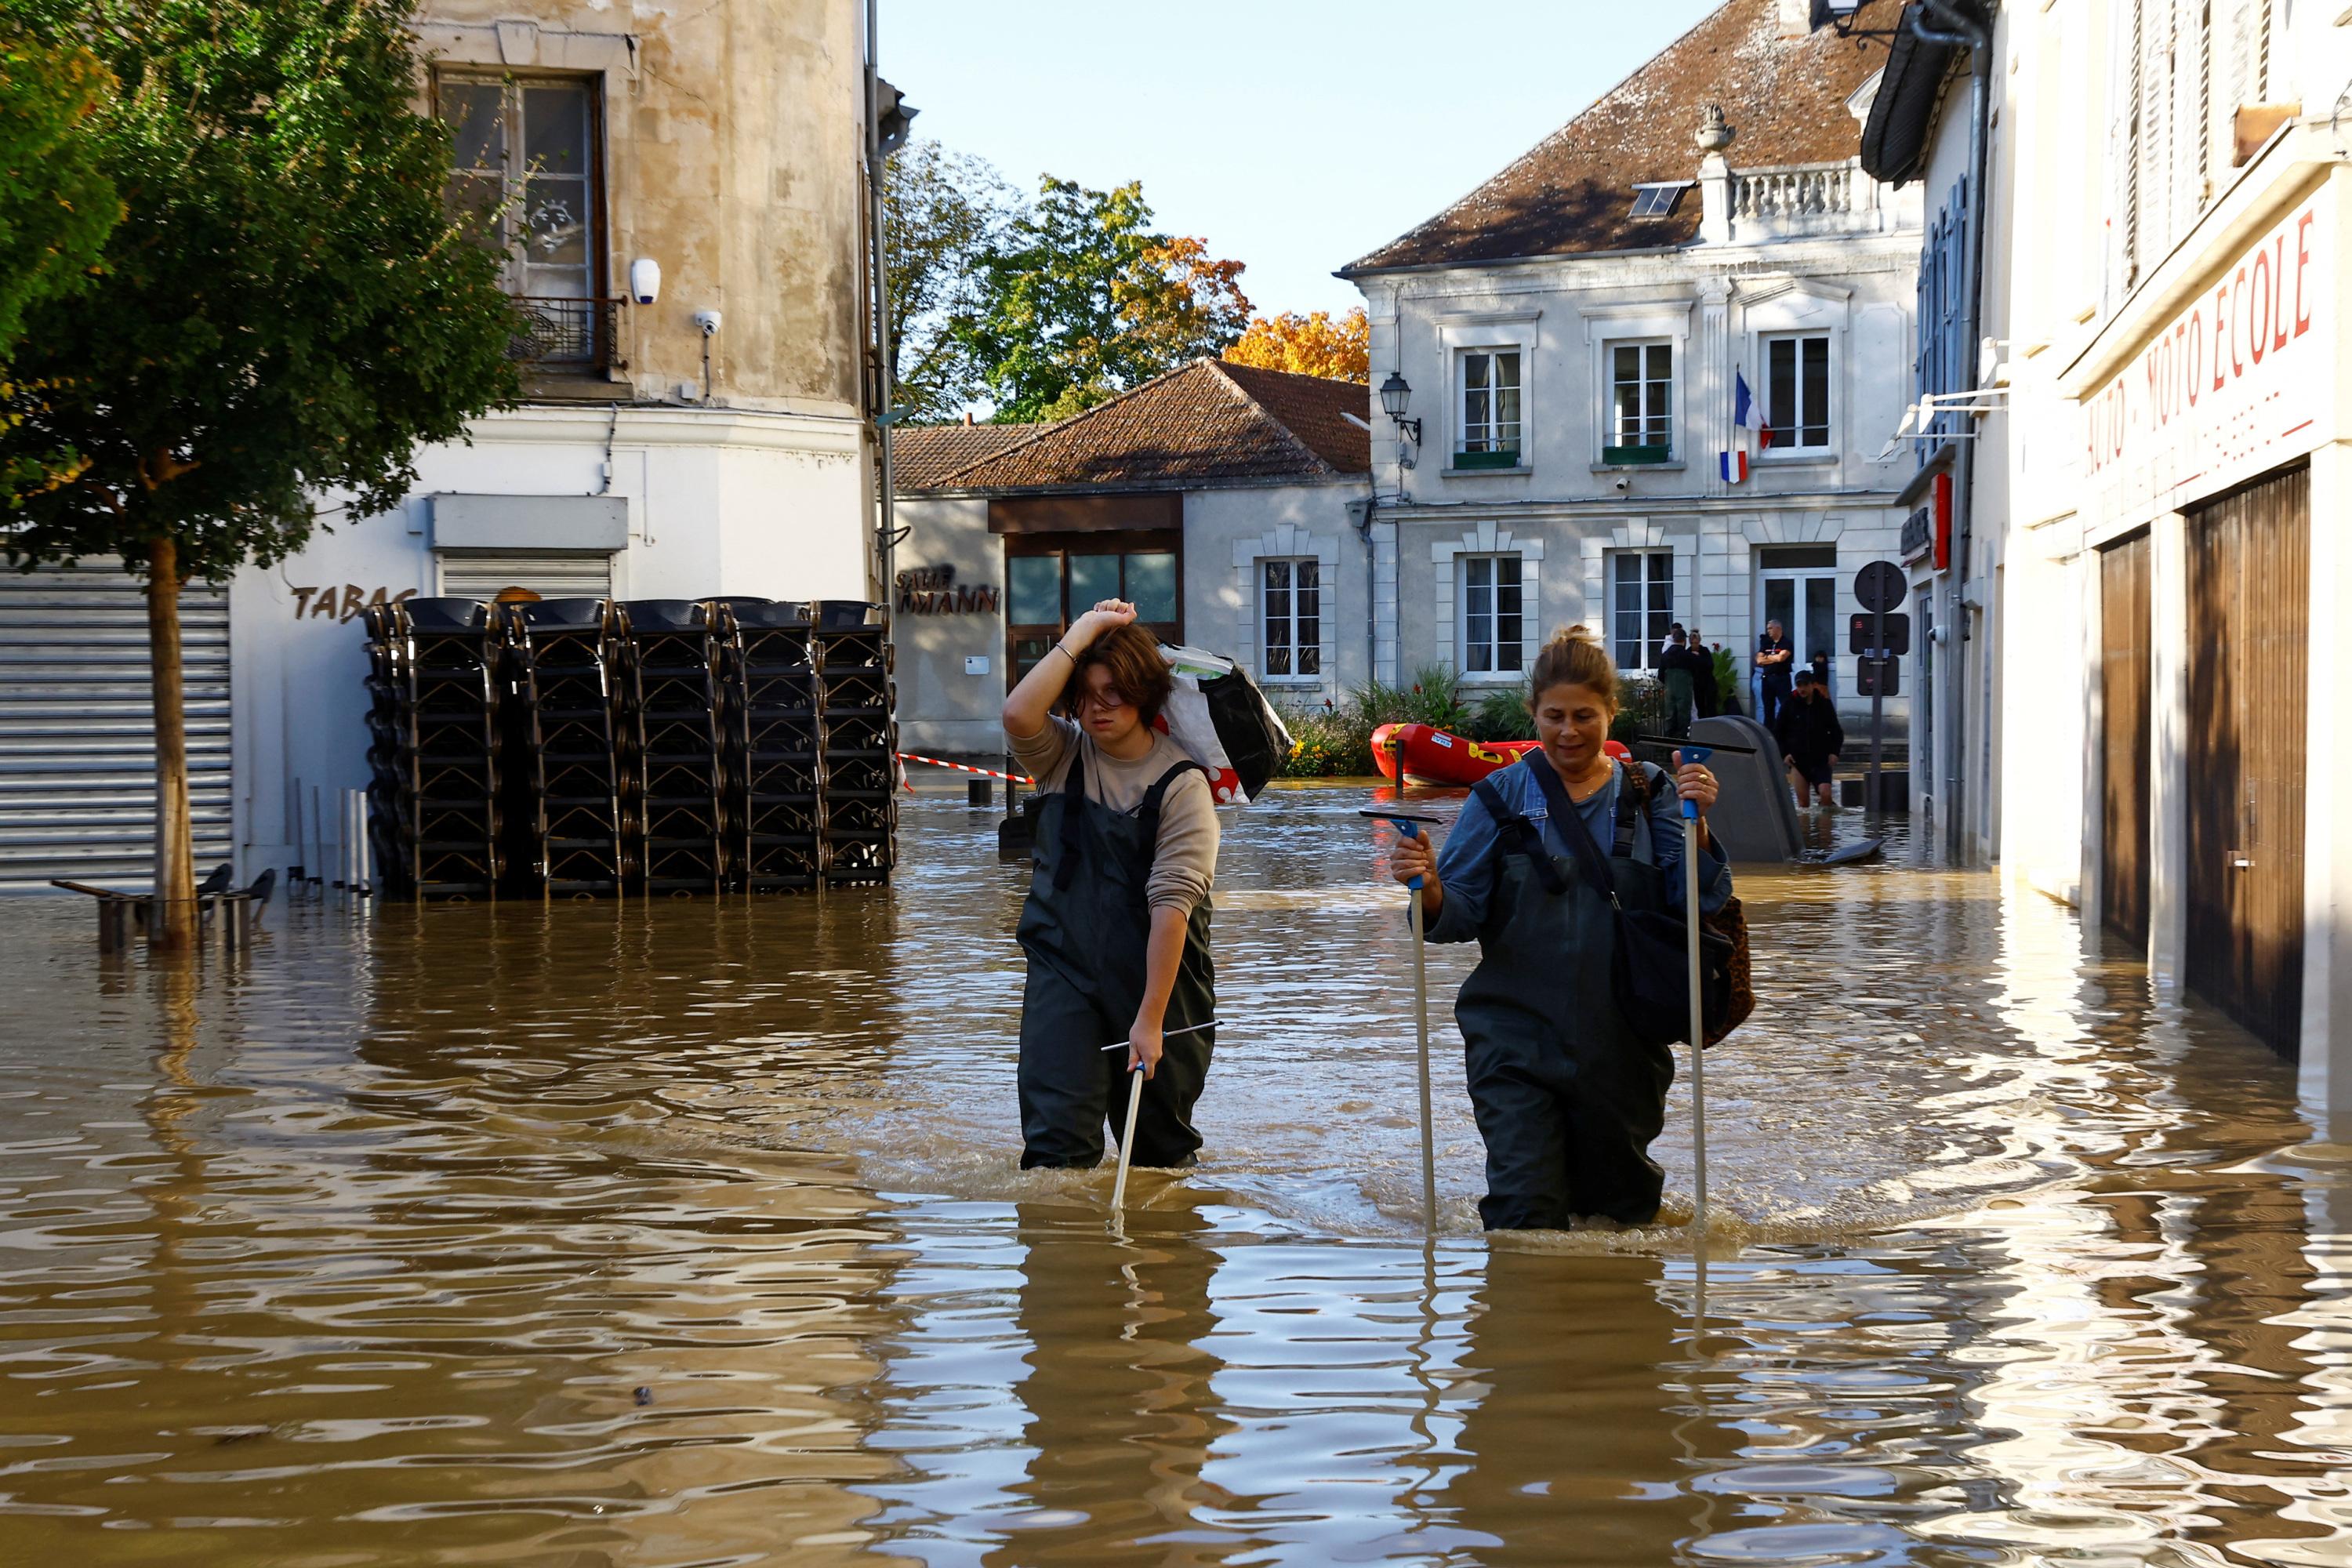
x=1648 y=967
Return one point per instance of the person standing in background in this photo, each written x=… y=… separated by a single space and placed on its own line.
x=1774 y=658
x=1675 y=675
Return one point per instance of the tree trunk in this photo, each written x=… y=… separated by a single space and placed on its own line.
x=173 y=927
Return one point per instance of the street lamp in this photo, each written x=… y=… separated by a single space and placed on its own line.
x=1396 y=397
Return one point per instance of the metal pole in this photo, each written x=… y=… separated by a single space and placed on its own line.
x=1879 y=664
x=1127 y=1139
x=1697 y=1023
x=1421 y=1032
x=877 y=180
x=319 y=833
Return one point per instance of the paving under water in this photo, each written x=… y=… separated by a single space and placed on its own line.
x=690 y=1233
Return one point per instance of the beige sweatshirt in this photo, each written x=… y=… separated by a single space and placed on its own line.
x=1185 y=863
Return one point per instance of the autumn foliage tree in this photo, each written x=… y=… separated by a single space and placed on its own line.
x=1311 y=344
x=1083 y=299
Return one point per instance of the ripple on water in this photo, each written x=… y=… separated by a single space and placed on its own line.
x=690 y=1233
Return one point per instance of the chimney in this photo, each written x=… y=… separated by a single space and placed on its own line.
x=1796 y=18
x=967 y=424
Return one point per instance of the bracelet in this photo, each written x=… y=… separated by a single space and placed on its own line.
x=1065 y=653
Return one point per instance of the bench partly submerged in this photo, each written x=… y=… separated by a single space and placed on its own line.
x=121 y=912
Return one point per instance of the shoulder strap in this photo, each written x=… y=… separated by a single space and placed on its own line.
x=1634 y=789
x=1074 y=799
x=1517 y=835
x=1150 y=809
x=1572 y=828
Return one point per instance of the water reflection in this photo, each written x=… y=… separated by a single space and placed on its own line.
x=691 y=1233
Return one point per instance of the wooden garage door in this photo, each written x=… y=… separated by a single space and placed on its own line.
x=2124 y=682
x=2249 y=615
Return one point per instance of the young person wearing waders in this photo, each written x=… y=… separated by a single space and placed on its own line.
x=1567 y=1098
x=1117 y=924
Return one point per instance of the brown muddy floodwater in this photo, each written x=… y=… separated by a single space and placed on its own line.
x=690 y=1233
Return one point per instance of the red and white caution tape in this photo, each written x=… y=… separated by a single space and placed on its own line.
x=964 y=768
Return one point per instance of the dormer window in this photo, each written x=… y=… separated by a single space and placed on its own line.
x=1658 y=200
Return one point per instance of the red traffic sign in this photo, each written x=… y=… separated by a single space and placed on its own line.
x=1895 y=629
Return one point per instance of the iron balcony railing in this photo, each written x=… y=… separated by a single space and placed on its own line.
x=567 y=334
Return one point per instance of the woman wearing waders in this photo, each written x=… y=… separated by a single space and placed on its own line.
x=1568 y=1099
x=1117 y=924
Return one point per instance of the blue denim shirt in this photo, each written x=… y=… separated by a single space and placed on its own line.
x=1467 y=860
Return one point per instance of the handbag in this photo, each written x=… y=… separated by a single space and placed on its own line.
x=1649 y=964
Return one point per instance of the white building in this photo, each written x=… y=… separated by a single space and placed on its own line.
x=1225 y=501
x=1572 y=333
x=2169 y=310
x=709 y=441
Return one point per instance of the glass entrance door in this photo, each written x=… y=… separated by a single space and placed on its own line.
x=1805 y=603
x=1053 y=579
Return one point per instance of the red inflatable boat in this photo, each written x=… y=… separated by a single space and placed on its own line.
x=1432 y=756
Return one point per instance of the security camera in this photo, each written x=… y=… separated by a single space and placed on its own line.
x=1621 y=484
x=645 y=281
x=708 y=321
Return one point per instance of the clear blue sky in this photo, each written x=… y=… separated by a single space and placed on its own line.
x=1293 y=135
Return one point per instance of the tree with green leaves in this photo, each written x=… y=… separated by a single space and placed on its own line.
x=1083 y=299
x=285 y=311
x=57 y=205
x=944 y=212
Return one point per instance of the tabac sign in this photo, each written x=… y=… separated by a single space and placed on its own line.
x=2240 y=382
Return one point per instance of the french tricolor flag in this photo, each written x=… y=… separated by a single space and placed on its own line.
x=1733 y=465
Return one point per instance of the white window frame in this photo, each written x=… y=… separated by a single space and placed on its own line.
x=1611 y=435
x=1495 y=425
x=1766 y=342
x=1654 y=619
x=1505 y=658
x=1266 y=620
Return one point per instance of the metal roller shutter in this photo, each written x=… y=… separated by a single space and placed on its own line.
x=578 y=575
x=77 y=727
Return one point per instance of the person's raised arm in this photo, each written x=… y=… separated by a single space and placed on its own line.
x=1028 y=704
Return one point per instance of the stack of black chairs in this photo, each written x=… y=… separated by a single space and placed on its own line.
x=666 y=746
x=855 y=738
x=770 y=713
x=671 y=709
x=565 y=790
x=434 y=711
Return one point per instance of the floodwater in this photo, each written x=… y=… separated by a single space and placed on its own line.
x=690 y=1233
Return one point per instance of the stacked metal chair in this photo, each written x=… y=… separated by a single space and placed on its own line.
x=771 y=745
x=671 y=708
x=571 y=833
x=856 y=738
x=434 y=718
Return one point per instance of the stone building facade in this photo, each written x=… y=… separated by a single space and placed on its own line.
x=1573 y=336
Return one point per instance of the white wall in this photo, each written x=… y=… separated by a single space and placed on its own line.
x=942 y=710
x=719 y=502
x=1228 y=531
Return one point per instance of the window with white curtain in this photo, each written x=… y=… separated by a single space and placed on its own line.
x=1641 y=606
x=1493 y=615
x=1290 y=607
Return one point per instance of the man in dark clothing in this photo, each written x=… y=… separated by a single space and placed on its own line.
x=1675 y=675
x=1775 y=660
x=1704 y=693
x=1810 y=738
